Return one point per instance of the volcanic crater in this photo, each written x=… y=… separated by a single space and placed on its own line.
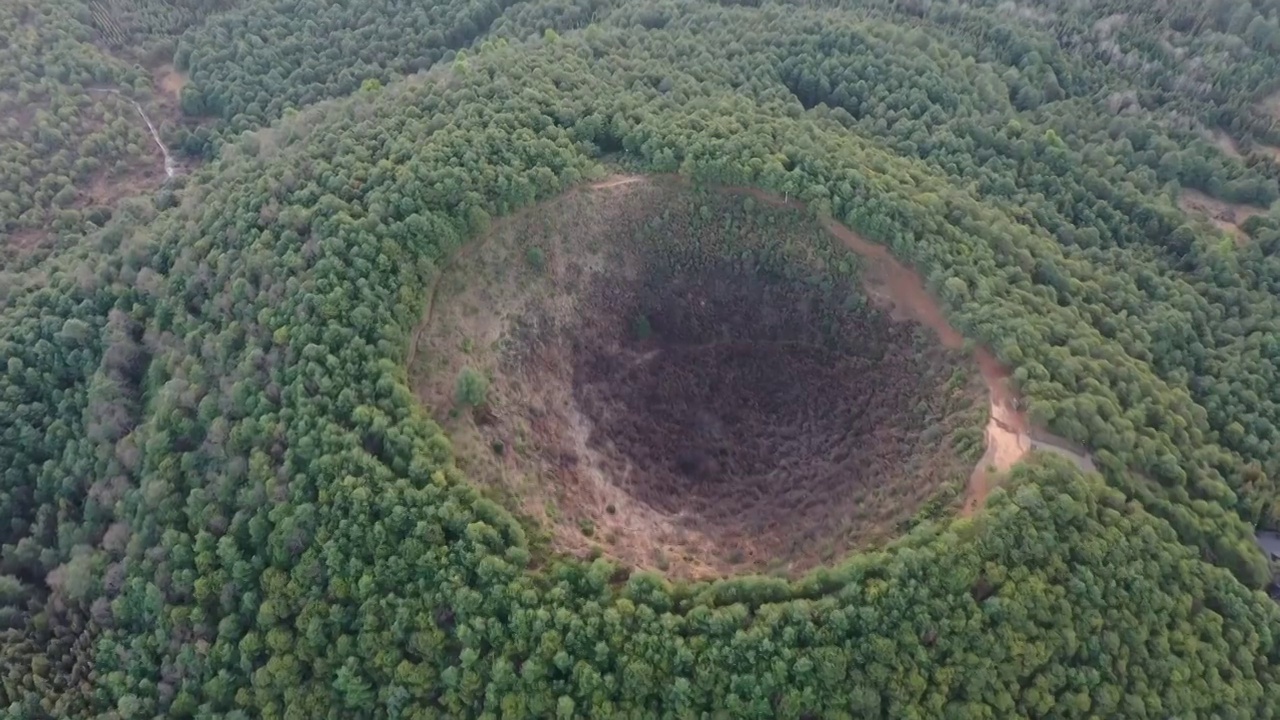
x=694 y=382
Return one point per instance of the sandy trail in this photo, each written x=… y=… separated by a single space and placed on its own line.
x=615 y=181
x=170 y=167
x=894 y=285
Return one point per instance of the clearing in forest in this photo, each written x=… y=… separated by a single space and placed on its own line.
x=165 y=104
x=170 y=81
x=704 y=383
x=1227 y=216
x=1229 y=147
x=1224 y=142
x=1271 y=104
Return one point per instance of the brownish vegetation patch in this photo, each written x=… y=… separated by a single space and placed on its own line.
x=25 y=240
x=170 y=81
x=1227 y=216
x=113 y=183
x=1271 y=104
x=1226 y=144
x=659 y=392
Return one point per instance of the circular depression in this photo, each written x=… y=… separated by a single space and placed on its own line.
x=681 y=383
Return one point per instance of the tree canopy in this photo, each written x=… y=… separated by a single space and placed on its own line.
x=219 y=498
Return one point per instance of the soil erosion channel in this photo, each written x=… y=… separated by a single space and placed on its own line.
x=703 y=383
x=170 y=167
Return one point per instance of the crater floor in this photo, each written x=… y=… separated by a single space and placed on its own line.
x=684 y=383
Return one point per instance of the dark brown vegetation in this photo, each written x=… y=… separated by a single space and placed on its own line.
x=676 y=384
x=738 y=417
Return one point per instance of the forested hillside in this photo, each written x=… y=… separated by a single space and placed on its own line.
x=219 y=496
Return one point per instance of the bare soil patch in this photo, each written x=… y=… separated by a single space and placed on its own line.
x=1271 y=104
x=1226 y=216
x=1271 y=152
x=699 y=384
x=165 y=105
x=170 y=81
x=1226 y=144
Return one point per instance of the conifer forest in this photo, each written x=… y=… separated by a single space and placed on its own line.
x=639 y=359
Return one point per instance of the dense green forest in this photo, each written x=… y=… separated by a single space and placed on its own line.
x=219 y=498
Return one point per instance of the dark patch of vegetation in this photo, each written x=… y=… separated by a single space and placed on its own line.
x=780 y=413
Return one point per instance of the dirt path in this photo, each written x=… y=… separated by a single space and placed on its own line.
x=1009 y=435
x=615 y=181
x=895 y=286
x=901 y=289
x=170 y=167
